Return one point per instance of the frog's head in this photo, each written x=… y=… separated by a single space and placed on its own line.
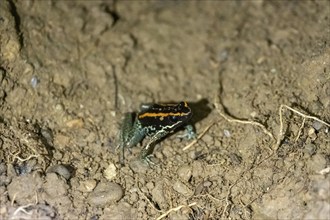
x=166 y=117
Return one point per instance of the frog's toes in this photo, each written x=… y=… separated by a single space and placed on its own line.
x=150 y=160
x=189 y=133
x=187 y=136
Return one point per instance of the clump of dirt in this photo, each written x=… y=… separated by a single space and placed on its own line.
x=255 y=73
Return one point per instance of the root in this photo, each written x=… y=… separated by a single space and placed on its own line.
x=281 y=134
x=22 y=209
x=175 y=209
x=23 y=159
x=233 y=120
x=275 y=146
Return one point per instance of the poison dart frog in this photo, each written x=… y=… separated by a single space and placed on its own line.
x=154 y=121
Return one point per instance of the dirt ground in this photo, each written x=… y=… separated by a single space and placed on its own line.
x=255 y=73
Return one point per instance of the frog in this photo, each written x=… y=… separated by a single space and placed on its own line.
x=154 y=121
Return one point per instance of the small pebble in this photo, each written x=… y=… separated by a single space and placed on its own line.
x=55 y=186
x=113 y=113
x=28 y=69
x=207 y=184
x=105 y=193
x=226 y=133
x=223 y=55
x=324 y=171
x=253 y=114
x=310 y=149
x=88 y=185
x=75 y=123
x=261 y=60
x=110 y=172
x=235 y=159
x=184 y=172
x=312 y=134
x=34 y=81
x=317 y=125
x=48 y=135
x=139 y=166
x=134 y=197
x=311 y=131
x=62 y=170
x=182 y=189
x=57 y=155
x=150 y=185
x=91 y=137
x=59 y=107
x=199 y=188
x=158 y=194
x=197 y=169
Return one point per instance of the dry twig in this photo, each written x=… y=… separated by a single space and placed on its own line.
x=244 y=122
x=281 y=134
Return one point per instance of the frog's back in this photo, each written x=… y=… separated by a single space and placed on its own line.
x=164 y=117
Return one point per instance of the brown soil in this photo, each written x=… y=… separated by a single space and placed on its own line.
x=69 y=70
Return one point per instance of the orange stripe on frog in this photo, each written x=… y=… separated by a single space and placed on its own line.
x=161 y=114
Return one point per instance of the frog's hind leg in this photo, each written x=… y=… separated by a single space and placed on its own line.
x=146 y=152
x=130 y=134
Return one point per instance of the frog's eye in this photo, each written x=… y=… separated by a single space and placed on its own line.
x=182 y=105
x=174 y=118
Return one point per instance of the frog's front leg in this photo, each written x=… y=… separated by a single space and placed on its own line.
x=131 y=133
x=189 y=133
x=147 y=150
